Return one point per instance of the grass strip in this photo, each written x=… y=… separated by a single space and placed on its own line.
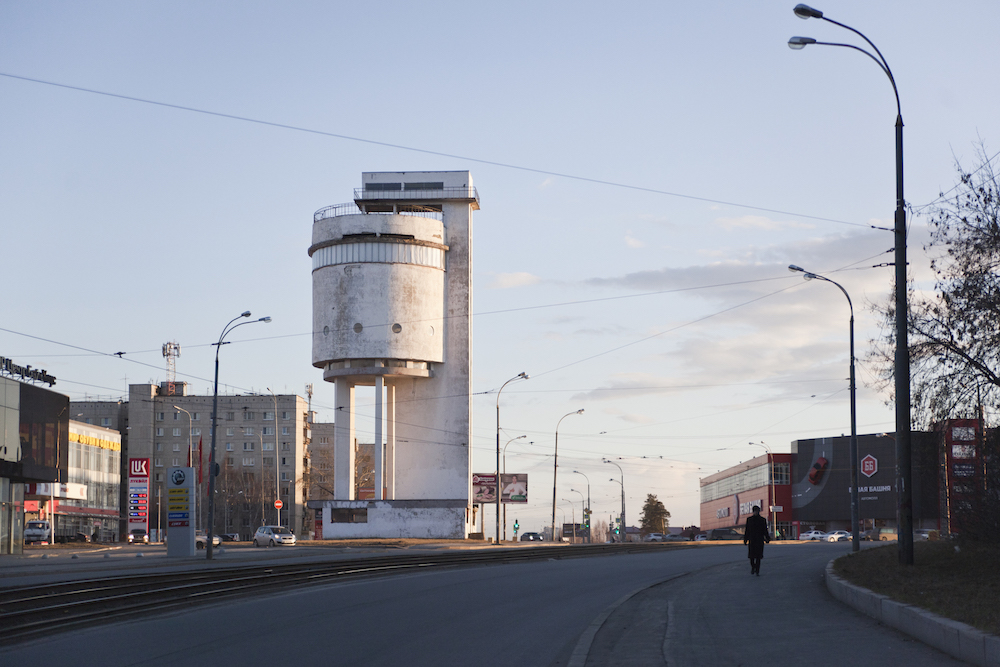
x=960 y=582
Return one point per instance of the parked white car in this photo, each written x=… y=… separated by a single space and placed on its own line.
x=269 y=536
x=812 y=535
x=837 y=536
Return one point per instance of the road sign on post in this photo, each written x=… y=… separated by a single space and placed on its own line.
x=278 y=504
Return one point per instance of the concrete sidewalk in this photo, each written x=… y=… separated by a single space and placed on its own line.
x=724 y=616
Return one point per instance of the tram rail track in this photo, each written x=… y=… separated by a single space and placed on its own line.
x=28 y=612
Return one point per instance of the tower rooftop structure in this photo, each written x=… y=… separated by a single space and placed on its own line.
x=391 y=308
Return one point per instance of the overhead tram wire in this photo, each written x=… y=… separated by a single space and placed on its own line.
x=504 y=165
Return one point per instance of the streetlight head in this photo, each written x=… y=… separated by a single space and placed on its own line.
x=796 y=269
x=265 y=319
x=810 y=276
x=245 y=313
x=524 y=376
x=796 y=43
x=580 y=411
x=807 y=12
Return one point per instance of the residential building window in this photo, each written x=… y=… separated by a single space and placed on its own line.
x=158 y=463
x=286 y=415
x=246 y=522
x=284 y=462
x=177 y=433
x=229 y=461
x=105 y=421
x=269 y=416
x=175 y=462
x=285 y=430
x=268 y=461
x=249 y=416
x=268 y=447
x=177 y=447
x=229 y=446
x=248 y=461
x=284 y=490
x=196 y=416
x=159 y=477
x=159 y=432
x=159 y=446
x=284 y=477
x=248 y=446
x=230 y=431
x=230 y=416
x=248 y=430
x=177 y=416
x=267 y=430
x=324 y=440
x=196 y=431
x=159 y=416
x=286 y=447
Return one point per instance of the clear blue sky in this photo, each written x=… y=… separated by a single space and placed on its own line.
x=670 y=319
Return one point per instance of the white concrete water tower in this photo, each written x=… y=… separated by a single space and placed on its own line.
x=392 y=296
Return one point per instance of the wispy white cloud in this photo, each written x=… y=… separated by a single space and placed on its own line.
x=633 y=242
x=510 y=280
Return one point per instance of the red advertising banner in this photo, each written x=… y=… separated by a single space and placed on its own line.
x=484 y=488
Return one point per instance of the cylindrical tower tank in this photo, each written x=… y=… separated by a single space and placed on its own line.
x=378 y=292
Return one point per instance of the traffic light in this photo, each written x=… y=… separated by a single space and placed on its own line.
x=516 y=526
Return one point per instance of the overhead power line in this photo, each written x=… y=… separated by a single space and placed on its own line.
x=427 y=151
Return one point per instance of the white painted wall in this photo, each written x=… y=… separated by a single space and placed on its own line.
x=386 y=520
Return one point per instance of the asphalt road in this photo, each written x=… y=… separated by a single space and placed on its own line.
x=710 y=612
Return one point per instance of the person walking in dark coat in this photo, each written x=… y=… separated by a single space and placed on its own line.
x=756 y=536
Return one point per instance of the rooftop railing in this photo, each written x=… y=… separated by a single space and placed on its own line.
x=353 y=209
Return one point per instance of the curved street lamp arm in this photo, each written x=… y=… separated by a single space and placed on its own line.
x=884 y=64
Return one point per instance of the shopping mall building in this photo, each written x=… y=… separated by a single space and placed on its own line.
x=810 y=488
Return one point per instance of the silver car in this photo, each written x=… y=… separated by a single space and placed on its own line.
x=269 y=536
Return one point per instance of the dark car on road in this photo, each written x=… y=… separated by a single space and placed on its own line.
x=531 y=537
x=724 y=534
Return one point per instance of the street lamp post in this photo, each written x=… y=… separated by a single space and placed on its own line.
x=770 y=474
x=622 y=472
x=197 y=514
x=555 y=469
x=855 y=510
x=212 y=467
x=277 y=475
x=622 y=484
x=519 y=376
x=590 y=509
x=498 y=482
x=904 y=473
x=583 y=510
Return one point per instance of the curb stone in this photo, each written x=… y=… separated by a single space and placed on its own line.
x=956 y=639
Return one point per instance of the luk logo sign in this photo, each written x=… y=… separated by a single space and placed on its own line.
x=139 y=467
x=869 y=466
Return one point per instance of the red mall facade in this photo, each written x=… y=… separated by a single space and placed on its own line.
x=728 y=497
